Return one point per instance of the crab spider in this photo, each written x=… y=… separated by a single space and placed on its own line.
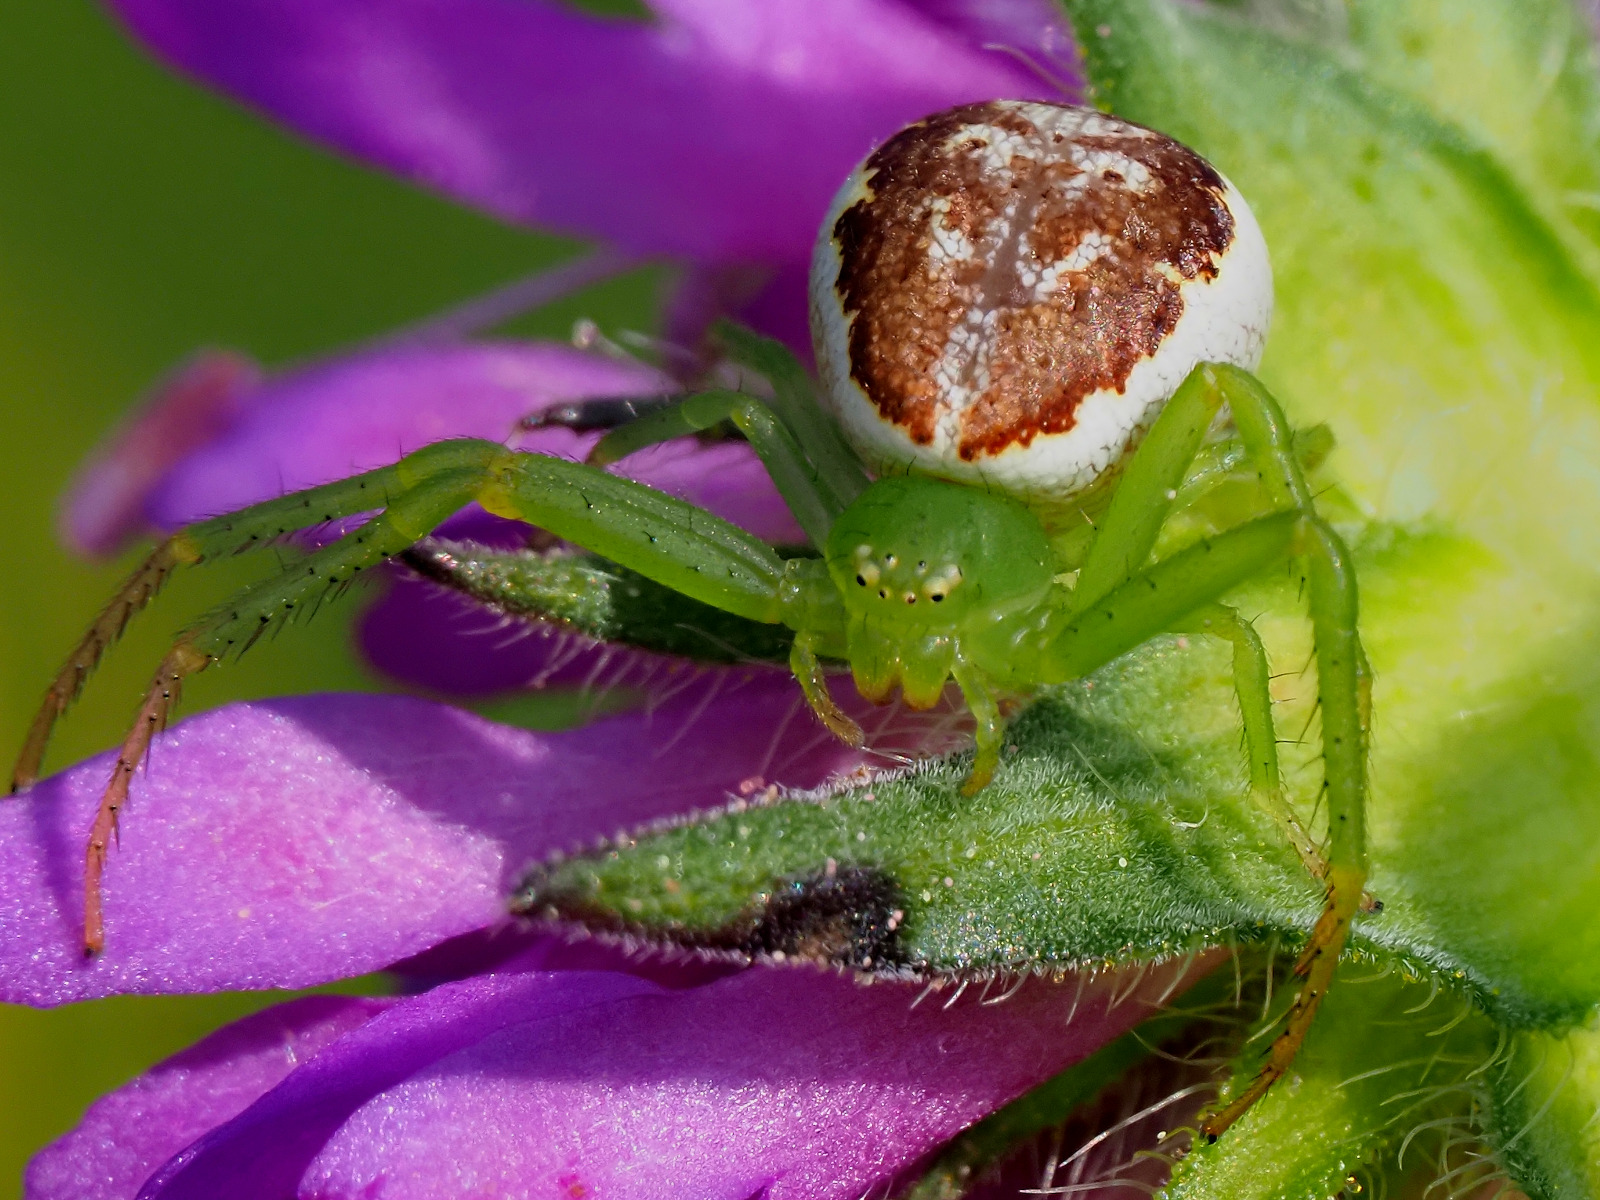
x=1029 y=320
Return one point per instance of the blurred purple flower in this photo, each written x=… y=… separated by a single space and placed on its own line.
x=299 y=841
x=713 y=135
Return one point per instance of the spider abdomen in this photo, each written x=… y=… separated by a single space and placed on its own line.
x=1007 y=293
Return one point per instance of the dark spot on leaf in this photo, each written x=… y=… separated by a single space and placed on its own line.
x=851 y=917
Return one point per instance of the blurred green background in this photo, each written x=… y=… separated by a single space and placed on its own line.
x=141 y=218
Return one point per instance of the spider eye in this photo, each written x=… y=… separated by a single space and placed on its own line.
x=862 y=580
x=981 y=244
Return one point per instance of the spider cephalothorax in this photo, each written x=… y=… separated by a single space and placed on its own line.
x=1029 y=320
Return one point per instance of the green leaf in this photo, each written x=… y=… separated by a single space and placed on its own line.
x=1517 y=76
x=1118 y=827
x=1542 y=1114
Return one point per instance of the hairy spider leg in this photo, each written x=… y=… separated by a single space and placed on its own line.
x=989 y=725
x=664 y=539
x=204 y=541
x=1117 y=606
x=1252 y=685
x=1344 y=690
x=1160 y=477
x=807 y=668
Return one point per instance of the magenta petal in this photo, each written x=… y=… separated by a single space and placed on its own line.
x=264 y=1151
x=290 y=842
x=331 y=420
x=780 y=1083
x=717 y=133
x=1034 y=31
x=128 y=1134
x=335 y=418
x=591 y=1084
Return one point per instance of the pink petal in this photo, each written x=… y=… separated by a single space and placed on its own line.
x=717 y=133
x=335 y=418
x=291 y=842
x=579 y=1083
x=264 y=1151
x=128 y=1134
x=775 y=1083
x=331 y=420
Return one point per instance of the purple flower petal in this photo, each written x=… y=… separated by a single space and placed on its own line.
x=772 y=300
x=717 y=133
x=346 y=415
x=264 y=1151
x=365 y=410
x=290 y=842
x=128 y=1134
x=1032 y=30
x=425 y=636
x=802 y=1083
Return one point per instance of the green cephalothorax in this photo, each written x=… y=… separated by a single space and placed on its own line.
x=924 y=567
x=1027 y=316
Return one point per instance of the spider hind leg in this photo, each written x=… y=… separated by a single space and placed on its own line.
x=1343 y=695
x=1119 y=603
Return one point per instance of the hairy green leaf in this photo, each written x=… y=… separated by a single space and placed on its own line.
x=596 y=598
x=1542 y=1115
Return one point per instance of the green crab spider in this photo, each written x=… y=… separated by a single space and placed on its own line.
x=1029 y=319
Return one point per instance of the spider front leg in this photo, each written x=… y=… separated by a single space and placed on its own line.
x=664 y=539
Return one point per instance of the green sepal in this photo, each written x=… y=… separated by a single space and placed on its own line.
x=1388 y=1059
x=597 y=599
x=1119 y=828
x=1542 y=1114
x=593 y=597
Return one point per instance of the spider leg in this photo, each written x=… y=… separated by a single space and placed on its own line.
x=808 y=672
x=795 y=401
x=238 y=625
x=795 y=475
x=991 y=727
x=259 y=525
x=1344 y=683
x=664 y=539
x=1147 y=491
x=1116 y=606
x=1251 y=675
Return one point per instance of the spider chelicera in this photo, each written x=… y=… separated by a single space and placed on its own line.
x=1029 y=320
